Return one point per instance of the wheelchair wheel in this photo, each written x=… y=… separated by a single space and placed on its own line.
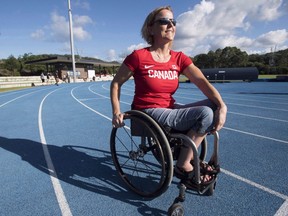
x=142 y=155
x=176 y=210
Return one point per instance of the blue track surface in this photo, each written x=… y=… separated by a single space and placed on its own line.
x=55 y=157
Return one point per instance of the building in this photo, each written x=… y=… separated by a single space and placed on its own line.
x=227 y=74
x=62 y=66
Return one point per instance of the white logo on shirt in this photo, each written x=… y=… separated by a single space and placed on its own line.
x=170 y=75
x=174 y=67
x=148 y=66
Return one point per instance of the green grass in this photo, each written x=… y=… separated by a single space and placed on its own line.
x=267 y=76
x=12 y=89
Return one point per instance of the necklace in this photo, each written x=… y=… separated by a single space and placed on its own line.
x=162 y=58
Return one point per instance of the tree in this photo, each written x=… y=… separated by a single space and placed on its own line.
x=212 y=59
x=201 y=61
x=233 y=57
x=227 y=57
x=13 y=65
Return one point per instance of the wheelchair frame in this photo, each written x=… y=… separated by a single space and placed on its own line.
x=144 y=157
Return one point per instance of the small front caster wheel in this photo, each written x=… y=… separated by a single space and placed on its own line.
x=176 y=210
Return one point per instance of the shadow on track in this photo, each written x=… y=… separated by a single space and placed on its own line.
x=87 y=168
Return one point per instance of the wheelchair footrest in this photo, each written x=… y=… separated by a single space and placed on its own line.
x=201 y=188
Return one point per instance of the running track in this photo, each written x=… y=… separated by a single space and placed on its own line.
x=55 y=159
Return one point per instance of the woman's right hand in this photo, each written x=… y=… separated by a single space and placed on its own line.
x=123 y=74
x=117 y=120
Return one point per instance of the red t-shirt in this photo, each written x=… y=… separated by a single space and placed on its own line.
x=155 y=82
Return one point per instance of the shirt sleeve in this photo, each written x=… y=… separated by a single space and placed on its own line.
x=185 y=61
x=132 y=61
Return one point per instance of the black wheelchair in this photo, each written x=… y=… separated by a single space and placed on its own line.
x=144 y=156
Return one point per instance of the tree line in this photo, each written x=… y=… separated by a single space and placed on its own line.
x=269 y=63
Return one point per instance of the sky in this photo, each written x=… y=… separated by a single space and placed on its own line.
x=110 y=30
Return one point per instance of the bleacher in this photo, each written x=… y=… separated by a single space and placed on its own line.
x=23 y=81
x=30 y=81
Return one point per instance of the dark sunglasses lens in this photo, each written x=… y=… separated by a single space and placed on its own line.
x=167 y=21
x=164 y=22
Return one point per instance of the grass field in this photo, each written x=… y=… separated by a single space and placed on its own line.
x=12 y=89
x=267 y=76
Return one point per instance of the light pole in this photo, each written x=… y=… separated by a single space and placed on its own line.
x=71 y=40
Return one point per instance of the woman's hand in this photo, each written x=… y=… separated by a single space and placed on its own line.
x=220 y=117
x=117 y=120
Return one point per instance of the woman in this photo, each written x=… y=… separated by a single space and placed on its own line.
x=156 y=70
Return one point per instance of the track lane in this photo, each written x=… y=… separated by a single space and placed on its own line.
x=78 y=140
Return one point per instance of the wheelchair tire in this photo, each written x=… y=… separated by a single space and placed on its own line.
x=146 y=167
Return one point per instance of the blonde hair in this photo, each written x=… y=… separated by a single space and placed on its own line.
x=146 y=34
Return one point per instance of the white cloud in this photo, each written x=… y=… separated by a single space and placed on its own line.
x=81 y=20
x=38 y=34
x=130 y=49
x=82 y=4
x=215 y=24
x=58 y=29
x=112 y=56
x=269 y=10
x=232 y=40
x=277 y=37
x=136 y=47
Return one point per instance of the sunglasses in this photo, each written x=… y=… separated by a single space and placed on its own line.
x=166 y=21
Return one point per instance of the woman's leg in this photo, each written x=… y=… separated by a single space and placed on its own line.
x=197 y=120
x=186 y=153
x=205 y=102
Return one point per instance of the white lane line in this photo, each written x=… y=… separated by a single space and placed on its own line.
x=258 y=107
x=254 y=116
x=237 y=104
x=122 y=88
x=103 y=96
x=88 y=106
x=19 y=98
x=254 y=184
x=256 y=135
x=63 y=204
x=4 y=94
x=261 y=117
x=21 y=91
x=283 y=210
x=236 y=97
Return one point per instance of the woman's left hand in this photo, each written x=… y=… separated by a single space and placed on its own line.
x=220 y=117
